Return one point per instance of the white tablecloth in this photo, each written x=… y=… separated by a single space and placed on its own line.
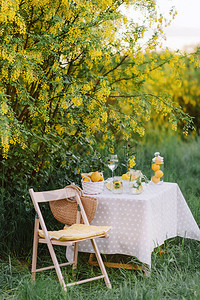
x=142 y=222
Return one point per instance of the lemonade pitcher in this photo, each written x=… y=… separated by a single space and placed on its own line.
x=136 y=181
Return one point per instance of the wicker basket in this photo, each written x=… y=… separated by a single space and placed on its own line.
x=65 y=210
x=92 y=188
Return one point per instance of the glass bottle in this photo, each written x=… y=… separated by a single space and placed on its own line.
x=157 y=169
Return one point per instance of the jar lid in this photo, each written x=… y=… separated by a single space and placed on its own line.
x=157 y=153
x=158 y=158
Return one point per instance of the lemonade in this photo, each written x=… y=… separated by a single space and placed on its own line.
x=117 y=186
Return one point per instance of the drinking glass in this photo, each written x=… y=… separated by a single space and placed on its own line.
x=112 y=162
x=117 y=185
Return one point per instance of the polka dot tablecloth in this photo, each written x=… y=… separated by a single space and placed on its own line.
x=142 y=222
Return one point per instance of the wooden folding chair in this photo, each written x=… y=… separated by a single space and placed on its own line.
x=60 y=194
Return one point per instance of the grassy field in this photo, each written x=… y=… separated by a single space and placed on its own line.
x=175 y=274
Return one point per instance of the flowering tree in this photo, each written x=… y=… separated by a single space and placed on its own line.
x=181 y=82
x=71 y=74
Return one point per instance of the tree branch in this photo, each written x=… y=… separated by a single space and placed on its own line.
x=117 y=66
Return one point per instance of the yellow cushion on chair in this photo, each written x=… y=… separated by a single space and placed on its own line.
x=76 y=232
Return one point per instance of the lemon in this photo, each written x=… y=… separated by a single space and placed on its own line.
x=96 y=176
x=101 y=178
x=109 y=185
x=158 y=160
x=155 y=167
x=117 y=185
x=134 y=177
x=125 y=177
x=84 y=175
x=87 y=179
x=139 y=189
x=155 y=179
x=159 y=174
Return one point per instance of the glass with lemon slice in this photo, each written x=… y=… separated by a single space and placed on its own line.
x=117 y=185
x=112 y=162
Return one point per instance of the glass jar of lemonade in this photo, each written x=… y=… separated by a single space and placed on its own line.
x=117 y=186
x=157 y=169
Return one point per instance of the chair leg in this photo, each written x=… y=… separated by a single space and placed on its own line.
x=56 y=265
x=75 y=256
x=35 y=248
x=52 y=253
x=74 y=266
x=101 y=264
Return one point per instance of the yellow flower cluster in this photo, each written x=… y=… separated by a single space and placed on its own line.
x=9 y=13
x=77 y=101
x=4 y=108
x=173 y=124
x=104 y=117
x=92 y=124
x=60 y=129
x=5 y=144
x=131 y=162
x=95 y=54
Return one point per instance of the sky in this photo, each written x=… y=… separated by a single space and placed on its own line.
x=184 y=30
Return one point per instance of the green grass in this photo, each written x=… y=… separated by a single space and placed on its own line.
x=175 y=274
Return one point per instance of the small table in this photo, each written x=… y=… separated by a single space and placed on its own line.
x=143 y=222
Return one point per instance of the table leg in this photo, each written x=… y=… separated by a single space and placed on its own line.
x=93 y=262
